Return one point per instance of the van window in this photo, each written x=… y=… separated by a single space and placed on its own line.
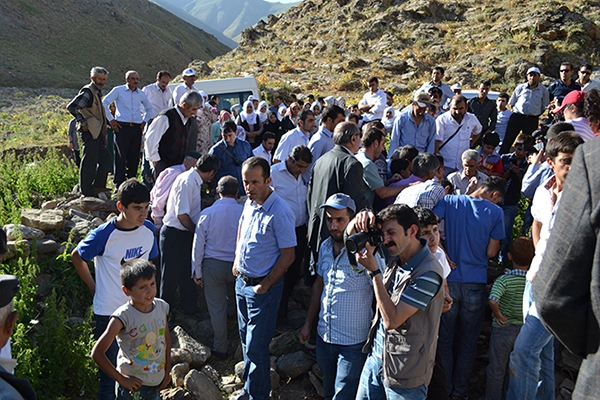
x=229 y=99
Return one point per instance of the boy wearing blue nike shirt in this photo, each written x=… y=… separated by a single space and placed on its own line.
x=127 y=237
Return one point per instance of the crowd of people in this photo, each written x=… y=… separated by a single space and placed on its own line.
x=395 y=240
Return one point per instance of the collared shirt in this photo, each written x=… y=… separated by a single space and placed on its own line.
x=241 y=151
x=453 y=149
x=447 y=92
x=184 y=198
x=582 y=127
x=402 y=182
x=155 y=132
x=180 y=91
x=160 y=191
x=470 y=224
x=534 y=176
x=379 y=101
x=486 y=113
x=159 y=98
x=590 y=84
x=262 y=153
x=502 y=122
x=460 y=181
x=559 y=90
x=264 y=230
x=290 y=140
x=292 y=190
x=216 y=233
x=543 y=209
x=406 y=131
x=426 y=194
x=84 y=99
x=507 y=291
x=346 y=313
x=129 y=105
x=529 y=101
x=320 y=143
x=370 y=176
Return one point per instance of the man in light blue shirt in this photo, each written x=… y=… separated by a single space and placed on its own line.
x=415 y=126
x=341 y=297
x=265 y=249
x=128 y=124
x=322 y=141
x=212 y=259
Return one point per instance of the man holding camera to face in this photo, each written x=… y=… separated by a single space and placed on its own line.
x=403 y=337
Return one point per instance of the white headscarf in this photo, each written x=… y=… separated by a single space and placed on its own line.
x=264 y=116
x=329 y=100
x=251 y=117
x=281 y=112
x=388 y=122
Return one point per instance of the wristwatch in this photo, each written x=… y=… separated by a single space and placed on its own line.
x=373 y=274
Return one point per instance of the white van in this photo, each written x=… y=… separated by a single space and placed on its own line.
x=230 y=91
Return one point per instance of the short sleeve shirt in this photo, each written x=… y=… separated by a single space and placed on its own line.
x=370 y=175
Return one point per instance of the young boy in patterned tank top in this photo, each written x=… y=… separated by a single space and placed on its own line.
x=140 y=326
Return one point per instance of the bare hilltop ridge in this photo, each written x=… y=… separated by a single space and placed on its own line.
x=53 y=43
x=331 y=46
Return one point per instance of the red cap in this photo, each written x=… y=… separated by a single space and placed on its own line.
x=575 y=96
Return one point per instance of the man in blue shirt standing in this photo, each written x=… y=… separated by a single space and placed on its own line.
x=341 y=297
x=128 y=124
x=264 y=251
x=474 y=229
x=415 y=126
x=232 y=152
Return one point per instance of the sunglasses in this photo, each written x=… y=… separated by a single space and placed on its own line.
x=584 y=72
x=565 y=70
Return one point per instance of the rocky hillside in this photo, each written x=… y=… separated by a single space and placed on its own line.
x=325 y=46
x=53 y=43
x=228 y=17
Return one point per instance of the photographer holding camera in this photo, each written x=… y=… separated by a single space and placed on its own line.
x=409 y=304
x=342 y=296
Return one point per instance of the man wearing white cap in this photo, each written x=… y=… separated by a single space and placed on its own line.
x=415 y=126
x=189 y=77
x=528 y=102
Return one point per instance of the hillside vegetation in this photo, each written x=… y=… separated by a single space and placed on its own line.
x=325 y=46
x=53 y=43
x=227 y=16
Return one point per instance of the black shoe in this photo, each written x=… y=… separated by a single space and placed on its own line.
x=218 y=355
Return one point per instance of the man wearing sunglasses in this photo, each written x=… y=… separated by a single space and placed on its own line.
x=585 y=74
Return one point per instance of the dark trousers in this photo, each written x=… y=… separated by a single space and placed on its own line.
x=176 y=266
x=293 y=273
x=93 y=169
x=128 y=144
x=438 y=388
x=518 y=123
x=106 y=389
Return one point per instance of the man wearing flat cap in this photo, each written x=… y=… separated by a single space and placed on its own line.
x=528 y=102
x=11 y=387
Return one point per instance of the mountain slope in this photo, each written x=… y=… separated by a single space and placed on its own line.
x=227 y=16
x=54 y=43
x=326 y=46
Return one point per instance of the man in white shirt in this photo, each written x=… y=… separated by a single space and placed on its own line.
x=158 y=94
x=437 y=74
x=456 y=130
x=266 y=147
x=374 y=102
x=177 y=234
x=469 y=178
x=587 y=84
x=189 y=77
x=295 y=137
x=128 y=124
x=287 y=182
x=212 y=259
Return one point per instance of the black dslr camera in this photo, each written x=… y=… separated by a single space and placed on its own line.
x=355 y=243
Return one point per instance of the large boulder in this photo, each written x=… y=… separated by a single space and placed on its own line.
x=176 y=394
x=178 y=373
x=186 y=349
x=44 y=220
x=18 y=231
x=90 y=204
x=294 y=365
x=201 y=386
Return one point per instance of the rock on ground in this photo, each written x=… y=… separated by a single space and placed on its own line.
x=294 y=365
x=187 y=349
x=201 y=386
x=45 y=220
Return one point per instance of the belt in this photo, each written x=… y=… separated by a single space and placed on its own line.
x=251 y=281
x=128 y=123
x=528 y=116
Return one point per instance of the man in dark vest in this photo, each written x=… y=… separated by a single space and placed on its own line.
x=87 y=109
x=173 y=134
